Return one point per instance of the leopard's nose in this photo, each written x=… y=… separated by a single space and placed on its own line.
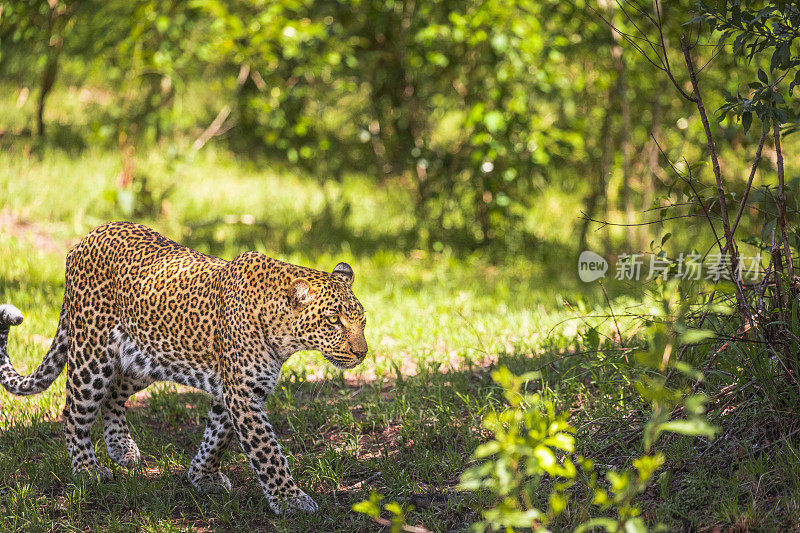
x=358 y=345
x=359 y=351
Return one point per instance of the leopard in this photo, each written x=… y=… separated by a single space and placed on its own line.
x=140 y=308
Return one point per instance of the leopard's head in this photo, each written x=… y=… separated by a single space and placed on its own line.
x=328 y=317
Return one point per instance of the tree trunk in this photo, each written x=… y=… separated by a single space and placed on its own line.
x=624 y=137
x=54 y=45
x=648 y=185
x=605 y=142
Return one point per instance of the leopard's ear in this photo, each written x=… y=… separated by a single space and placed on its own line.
x=300 y=294
x=344 y=273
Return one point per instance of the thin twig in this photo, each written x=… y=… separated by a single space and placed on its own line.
x=616 y=324
x=765 y=280
x=628 y=38
x=604 y=223
x=213 y=129
x=782 y=201
x=749 y=181
x=777 y=261
x=363 y=482
x=706 y=213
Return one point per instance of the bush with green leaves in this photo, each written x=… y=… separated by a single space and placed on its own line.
x=529 y=466
x=396 y=523
x=530 y=441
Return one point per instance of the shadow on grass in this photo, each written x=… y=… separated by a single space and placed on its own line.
x=408 y=438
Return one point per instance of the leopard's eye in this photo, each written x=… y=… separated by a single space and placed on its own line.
x=333 y=319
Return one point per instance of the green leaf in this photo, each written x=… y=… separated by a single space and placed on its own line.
x=635 y=525
x=695 y=427
x=369 y=507
x=546 y=457
x=693 y=336
x=514 y=517
x=688 y=370
x=619 y=482
x=747 y=120
x=394 y=508
x=608 y=524
x=780 y=58
x=647 y=465
x=486 y=449
x=366 y=507
x=592 y=339
x=558 y=502
x=696 y=404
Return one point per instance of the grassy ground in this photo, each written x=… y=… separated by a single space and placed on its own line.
x=403 y=423
x=406 y=421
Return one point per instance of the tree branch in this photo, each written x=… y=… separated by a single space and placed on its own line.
x=730 y=244
x=749 y=181
x=776 y=130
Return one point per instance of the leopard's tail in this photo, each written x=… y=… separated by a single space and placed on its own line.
x=48 y=370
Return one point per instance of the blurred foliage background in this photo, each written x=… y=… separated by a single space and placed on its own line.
x=471 y=113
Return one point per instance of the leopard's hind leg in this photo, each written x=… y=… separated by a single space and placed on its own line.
x=89 y=376
x=91 y=369
x=122 y=449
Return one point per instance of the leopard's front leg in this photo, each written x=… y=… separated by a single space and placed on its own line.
x=204 y=472
x=260 y=444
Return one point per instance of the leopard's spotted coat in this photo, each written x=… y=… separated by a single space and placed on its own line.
x=140 y=308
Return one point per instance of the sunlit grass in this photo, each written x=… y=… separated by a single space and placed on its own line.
x=427 y=312
x=405 y=422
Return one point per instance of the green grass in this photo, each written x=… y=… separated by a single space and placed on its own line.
x=406 y=421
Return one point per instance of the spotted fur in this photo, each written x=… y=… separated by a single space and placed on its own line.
x=140 y=308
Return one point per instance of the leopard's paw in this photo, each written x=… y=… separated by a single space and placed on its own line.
x=216 y=482
x=300 y=503
x=127 y=455
x=94 y=472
